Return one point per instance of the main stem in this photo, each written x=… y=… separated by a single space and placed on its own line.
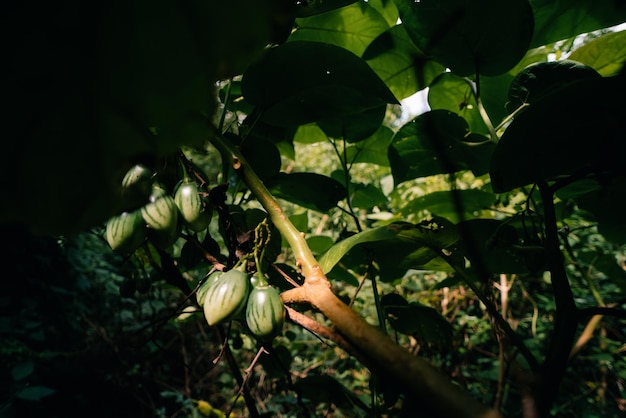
x=435 y=394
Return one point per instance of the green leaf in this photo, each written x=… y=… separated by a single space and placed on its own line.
x=319 y=243
x=328 y=390
x=356 y=127
x=400 y=64
x=606 y=201
x=542 y=78
x=451 y=92
x=331 y=257
x=34 y=393
x=443 y=204
x=373 y=149
x=310 y=134
x=427 y=325
x=263 y=156
x=526 y=154
x=309 y=190
x=436 y=142
x=484 y=36
x=314 y=7
x=557 y=20
x=302 y=82
x=606 y=54
x=399 y=246
x=366 y=196
x=488 y=243
x=352 y=27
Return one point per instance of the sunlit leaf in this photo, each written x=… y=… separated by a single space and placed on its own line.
x=352 y=27
x=400 y=64
x=373 y=149
x=606 y=54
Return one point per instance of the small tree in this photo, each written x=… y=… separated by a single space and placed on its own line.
x=526 y=150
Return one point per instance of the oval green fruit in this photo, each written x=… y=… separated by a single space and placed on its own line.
x=226 y=297
x=161 y=212
x=206 y=285
x=265 y=312
x=191 y=207
x=126 y=232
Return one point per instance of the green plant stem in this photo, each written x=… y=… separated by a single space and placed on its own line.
x=566 y=315
x=436 y=394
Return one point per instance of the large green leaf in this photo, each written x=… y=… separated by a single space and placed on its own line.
x=572 y=137
x=556 y=20
x=427 y=325
x=314 y=7
x=309 y=190
x=541 y=78
x=451 y=92
x=352 y=27
x=400 y=64
x=302 y=82
x=479 y=36
x=437 y=142
x=373 y=149
x=399 y=246
x=606 y=54
x=489 y=244
x=472 y=202
x=354 y=127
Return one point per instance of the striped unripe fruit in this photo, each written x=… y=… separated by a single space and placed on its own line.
x=265 y=312
x=126 y=232
x=226 y=297
x=161 y=216
x=161 y=212
x=191 y=207
x=206 y=285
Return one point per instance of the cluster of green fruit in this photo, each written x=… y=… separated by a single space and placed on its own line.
x=160 y=218
x=238 y=295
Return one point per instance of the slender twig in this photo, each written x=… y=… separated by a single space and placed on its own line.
x=566 y=315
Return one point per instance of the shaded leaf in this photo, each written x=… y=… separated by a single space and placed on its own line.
x=488 y=243
x=309 y=190
x=443 y=204
x=34 y=393
x=451 y=92
x=556 y=20
x=436 y=142
x=540 y=79
x=354 y=127
x=366 y=196
x=526 y=154
x=485 y=36
x=328 y=390
x=302 y=82
x=427 y=325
